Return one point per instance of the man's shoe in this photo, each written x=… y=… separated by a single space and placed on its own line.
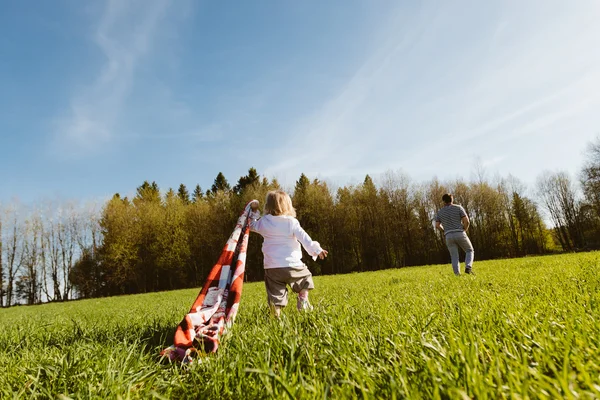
x=469 y=271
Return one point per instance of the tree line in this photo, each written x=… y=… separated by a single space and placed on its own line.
x=165 y=240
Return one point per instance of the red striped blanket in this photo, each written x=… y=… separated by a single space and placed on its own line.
x=215 y=308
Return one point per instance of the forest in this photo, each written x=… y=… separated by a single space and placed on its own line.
x=161 y=240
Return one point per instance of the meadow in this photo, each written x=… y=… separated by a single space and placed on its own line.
x=520 y=328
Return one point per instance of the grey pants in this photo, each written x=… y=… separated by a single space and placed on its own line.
x=454 y=240
x=277 y=279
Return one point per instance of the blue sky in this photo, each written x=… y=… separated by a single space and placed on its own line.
x=98 y=96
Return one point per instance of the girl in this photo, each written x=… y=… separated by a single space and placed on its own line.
x=282 y=235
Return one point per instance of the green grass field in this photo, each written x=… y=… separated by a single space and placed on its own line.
x=523 y=328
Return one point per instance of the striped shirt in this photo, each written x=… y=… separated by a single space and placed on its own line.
x=450 y=216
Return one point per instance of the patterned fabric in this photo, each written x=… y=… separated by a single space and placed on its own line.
x=215 y=308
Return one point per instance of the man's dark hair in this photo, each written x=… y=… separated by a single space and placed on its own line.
x=447 y=198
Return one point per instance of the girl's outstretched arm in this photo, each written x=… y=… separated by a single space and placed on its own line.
x=313 y=248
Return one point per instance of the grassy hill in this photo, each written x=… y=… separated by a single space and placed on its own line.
x=520 y=328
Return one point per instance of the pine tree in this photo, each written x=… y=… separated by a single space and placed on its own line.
x=119 y=250
x=170 y=195
x=301 y=184
x=299 y=198
x=370 y=227
x=148 y=192
x=183 y=194
x=246 y=181
x=171 y=245
x=220 y=184
x=197 y=195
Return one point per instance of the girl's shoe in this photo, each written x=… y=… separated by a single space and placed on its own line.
x=303 y=305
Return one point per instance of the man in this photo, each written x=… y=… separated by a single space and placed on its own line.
x=454 y=222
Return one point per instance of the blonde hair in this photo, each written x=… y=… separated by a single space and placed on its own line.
x=279 y=202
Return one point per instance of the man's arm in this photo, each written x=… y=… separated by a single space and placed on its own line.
x=438 y=226
x=465 y=222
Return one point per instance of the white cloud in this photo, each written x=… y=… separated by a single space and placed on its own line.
x=124 y=35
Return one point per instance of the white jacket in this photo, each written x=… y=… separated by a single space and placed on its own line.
x=282 y=237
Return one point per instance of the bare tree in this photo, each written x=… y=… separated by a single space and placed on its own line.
x=88 y=235
x=402 y=223
x=13 y=250
x=28 y=283
x=53 y=251
x=479 y=173
x=559 y=197
x=590 y=175
x=67 y=234
x=1 y=264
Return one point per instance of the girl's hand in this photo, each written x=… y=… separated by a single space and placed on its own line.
x=254 y=205
x=323 y=254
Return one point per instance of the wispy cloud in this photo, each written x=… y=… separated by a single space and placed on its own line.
x=492 y=161
x=329 y=142
x=452 y=81
x=124 y=35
